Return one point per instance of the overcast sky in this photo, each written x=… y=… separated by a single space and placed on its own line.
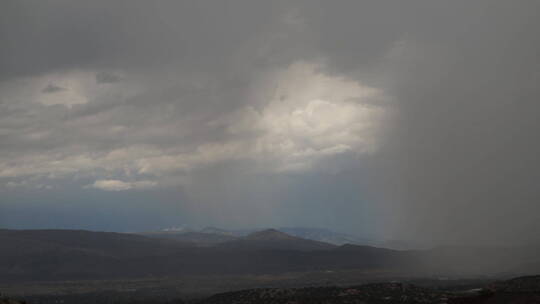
x=411 y=120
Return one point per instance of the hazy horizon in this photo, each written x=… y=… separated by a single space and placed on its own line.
x=393 y=120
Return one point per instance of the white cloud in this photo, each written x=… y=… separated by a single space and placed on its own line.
x=12 y=184
x=118 y=185
x=311 y=116
x=297 y=119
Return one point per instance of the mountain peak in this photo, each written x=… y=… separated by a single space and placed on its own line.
x=214 y=230
x=270 y=234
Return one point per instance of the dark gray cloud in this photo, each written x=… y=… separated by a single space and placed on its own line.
x=107 y=77
x=51 y=88
x=410 y=120
x=59 y=34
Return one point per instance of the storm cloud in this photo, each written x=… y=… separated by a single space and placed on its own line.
x=399 y=120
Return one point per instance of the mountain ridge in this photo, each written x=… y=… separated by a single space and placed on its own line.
x=272 y=239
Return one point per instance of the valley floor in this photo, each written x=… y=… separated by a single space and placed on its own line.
x=193 y=288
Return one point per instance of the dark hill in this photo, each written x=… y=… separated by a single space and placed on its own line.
x=214 y=230
x=269 y=235
x=326 y=236
x=74 y=254
x=272 y=239
x=59 y=254
x=17 y=242
x=194 y=237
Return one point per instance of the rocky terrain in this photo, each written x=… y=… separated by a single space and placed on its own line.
x=10 y=301
x=524 y=290
x=371 y=293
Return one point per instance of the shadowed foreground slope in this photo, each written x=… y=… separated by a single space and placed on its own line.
x=525 y=290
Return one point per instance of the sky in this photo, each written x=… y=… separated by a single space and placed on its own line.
x=397 y=120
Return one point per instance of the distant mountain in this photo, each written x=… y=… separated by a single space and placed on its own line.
x=270 y=235
x=258 y=239
x=326 y=236
x=206 y=238
x=271 y=239
x=214 y=230
x=176 y=229
x=194 y=237
x=401 y=245
x=76 y=254
x=337 y=238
